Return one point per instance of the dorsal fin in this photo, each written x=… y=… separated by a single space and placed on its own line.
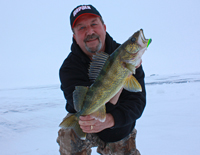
x=98 y=60
x=78 y=97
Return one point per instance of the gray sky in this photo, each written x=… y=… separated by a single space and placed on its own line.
x=35 y=36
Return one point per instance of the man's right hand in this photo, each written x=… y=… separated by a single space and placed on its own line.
x=91 y=125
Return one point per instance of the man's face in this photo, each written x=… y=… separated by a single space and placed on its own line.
x=90 y=34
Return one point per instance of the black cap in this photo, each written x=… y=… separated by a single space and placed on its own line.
x=81 y=10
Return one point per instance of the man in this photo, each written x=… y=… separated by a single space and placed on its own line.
x=116 y=135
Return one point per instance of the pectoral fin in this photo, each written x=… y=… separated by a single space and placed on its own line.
x=131 y=84
x=100 y=114
x=79 y=96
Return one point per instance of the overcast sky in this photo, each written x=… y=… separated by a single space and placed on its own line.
x=35 y=36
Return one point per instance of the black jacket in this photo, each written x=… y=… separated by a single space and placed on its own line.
x=74 y=72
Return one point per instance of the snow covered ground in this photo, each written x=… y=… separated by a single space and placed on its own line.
x=170 y=124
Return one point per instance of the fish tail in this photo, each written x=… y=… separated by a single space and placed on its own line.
x=72 y=122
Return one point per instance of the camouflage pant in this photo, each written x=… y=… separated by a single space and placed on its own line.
x=70 y=144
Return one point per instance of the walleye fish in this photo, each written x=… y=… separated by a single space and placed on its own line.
x=110 y=73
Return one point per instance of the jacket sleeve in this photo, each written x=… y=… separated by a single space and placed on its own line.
x=130 y=105
x=73 y=72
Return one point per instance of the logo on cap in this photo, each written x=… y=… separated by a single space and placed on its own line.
x=81 y=8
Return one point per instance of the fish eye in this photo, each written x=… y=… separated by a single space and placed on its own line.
x=133 y=39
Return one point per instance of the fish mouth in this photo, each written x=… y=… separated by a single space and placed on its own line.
x=142 y=41
x=143 y=44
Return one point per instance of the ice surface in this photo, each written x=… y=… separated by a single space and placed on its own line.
x=29 y=118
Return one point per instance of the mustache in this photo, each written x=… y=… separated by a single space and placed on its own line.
x=89 y=37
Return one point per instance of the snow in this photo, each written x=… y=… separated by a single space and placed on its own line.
x=29 y=118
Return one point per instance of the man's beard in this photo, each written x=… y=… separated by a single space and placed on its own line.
x=97 y=48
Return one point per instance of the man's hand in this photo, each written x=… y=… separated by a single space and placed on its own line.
x=116 y=97
x=139 y=64
x=91 y=125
